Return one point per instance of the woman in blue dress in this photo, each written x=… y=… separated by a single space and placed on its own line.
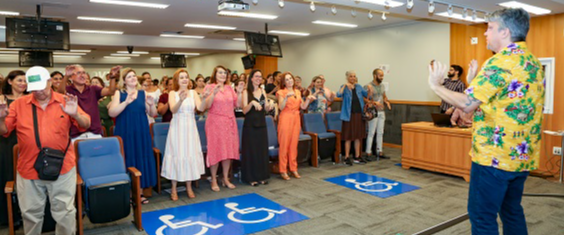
x=130 y=107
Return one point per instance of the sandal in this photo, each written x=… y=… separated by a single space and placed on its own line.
x=295 y=174
x=254 y=184
x=190 y=194
x=174 y=196
x=228 y=184
x=144 y=200
x=284 y=176
x=215 y=187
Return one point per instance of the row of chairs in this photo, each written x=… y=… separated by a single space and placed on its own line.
x=103 y=184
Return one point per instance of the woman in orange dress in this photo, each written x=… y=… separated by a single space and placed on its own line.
x=290 y=103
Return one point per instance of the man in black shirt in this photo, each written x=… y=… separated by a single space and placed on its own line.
x=453 y=83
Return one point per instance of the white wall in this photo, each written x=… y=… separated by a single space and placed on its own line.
x=408 y=50
x=205 y=64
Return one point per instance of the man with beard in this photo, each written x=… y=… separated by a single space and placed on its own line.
x=377 y=124
x=452 y=83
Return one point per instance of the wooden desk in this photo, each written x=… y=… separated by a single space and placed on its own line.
x=438 y=149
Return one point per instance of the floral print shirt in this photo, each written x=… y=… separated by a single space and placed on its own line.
x=507 y=125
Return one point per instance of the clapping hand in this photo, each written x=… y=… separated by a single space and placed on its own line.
x=183 y=95
x=207 y=92
x=149 y=100
x=71 y=105
x=217 y=88
x=472 y=71
x=311 y=98
x=3 y=107
x=290 y=93
x=240 y=88
x=115 y=71
x=131 y=97
x=256 y=105
x=70 y=70
x=436 y=74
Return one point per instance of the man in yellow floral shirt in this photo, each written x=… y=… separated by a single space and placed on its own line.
x=507 y=98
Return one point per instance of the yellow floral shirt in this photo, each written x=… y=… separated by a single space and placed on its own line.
x=507 y=125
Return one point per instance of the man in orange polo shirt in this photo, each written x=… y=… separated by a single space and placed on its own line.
x=55 y=116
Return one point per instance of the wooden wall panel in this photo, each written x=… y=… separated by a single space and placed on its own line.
x=266 y=64
x=545 y=39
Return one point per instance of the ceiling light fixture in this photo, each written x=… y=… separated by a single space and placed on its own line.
x=117 y=57
x=334 y=10
x=312 y=7
x=9 y=52
x=185 y=53
x=289 y=33
x=68 y=53
x=450 y=10
x=9 y=13
x=384 y=16
x=281 y=3
x=239 y=39
x=132 y=3
x=255 y=2
x=81 y=51
x=2 y=27
x=409 y=4
x=386 y=3
x=95 y=31
x=529 y=8
x=370 y=15
x=353 y=13
x=205 y=26
x=119 y=54
x=133 y=52
x=334 y=24
x=109 y=19
x=464 y=15
x=474 y=17
x=460 y=17
x=431 y=7
x=181 y=36
x=247 y=15
x=67 y=56
x=155 y=58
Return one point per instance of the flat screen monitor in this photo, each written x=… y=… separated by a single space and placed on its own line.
x=44 y=34
x=262 y=44
x=36 y=58
x=173 y=61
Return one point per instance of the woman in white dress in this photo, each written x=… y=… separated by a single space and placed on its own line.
x=183 y=160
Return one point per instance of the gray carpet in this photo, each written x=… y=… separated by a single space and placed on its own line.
x=334 y=209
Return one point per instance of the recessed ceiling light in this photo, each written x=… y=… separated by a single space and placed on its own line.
x=529 y=8
x=247 y=15
x=10 y=49
x=186 y=53
x=8 y=55
x=335 y=24
x=81 y=51
x=155 y=58
x=289 y=33
x=9 y=13
x=181 y=36
x=95 y=31
x=67 y=56
x=68 y=53
x=117 y=57
x=109 y=19
x=205 y=26
x=9 y=52
x=2 y=26
x=239 y=39
x=132 y=3
x=118 y=54
x=460 y=17
x=133 y=52
x=387 y=3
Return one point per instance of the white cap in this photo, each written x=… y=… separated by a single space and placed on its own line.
x=36 y=78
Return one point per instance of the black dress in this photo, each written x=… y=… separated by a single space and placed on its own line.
x=255 y=146
x=6 y=169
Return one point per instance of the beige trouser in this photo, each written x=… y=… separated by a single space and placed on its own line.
x=32 y=195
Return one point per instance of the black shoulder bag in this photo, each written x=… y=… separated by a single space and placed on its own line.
x=49 y=161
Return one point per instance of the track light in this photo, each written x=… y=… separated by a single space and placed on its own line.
x=255 y=2
x=465 y=13
x=486 y=16
x=384 y=16
x=474 y=17
x=370 y=15
x=387 y=3
x=281 y=3
x=312 y=7
x=431 y=7
x=450 y=10
x=353 y=13
x=409 y=4
x=334 y=10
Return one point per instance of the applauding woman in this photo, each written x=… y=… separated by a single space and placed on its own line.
x=221 y=129
x=255 y=143
x=183 y=160
x=290 y=103
x=130 y=106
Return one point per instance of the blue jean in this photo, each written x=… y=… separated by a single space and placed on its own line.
x=495 y=192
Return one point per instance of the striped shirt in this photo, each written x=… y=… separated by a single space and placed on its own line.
x=452 y=85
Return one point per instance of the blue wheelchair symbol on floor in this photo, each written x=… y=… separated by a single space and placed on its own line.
x=243 y=214
x=374 y=185
x=249 y=210
x=186 y=223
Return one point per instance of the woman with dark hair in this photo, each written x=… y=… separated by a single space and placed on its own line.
x=199 y=84
x=14 y=86
x=221 y=129
x=255 y=143
x=290 y=103
x=57 y=78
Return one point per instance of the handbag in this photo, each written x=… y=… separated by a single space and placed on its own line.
x=49 y=161
x=370 y=111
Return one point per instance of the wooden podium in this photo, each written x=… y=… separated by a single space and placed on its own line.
x=438 y=149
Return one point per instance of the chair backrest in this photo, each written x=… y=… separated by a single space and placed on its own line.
x=201 y=126
x=333 y=120
x=100 y=157
x=272 y=132
x=314 y=122
x=159 y=132
x=158 y=119
x=240 y=129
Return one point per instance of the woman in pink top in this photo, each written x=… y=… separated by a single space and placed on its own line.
x=221 y=129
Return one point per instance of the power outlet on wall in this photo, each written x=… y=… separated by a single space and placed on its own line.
x=557 y=151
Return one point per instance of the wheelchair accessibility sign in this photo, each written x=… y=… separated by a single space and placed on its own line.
x=374 y=185
x=243 y=214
